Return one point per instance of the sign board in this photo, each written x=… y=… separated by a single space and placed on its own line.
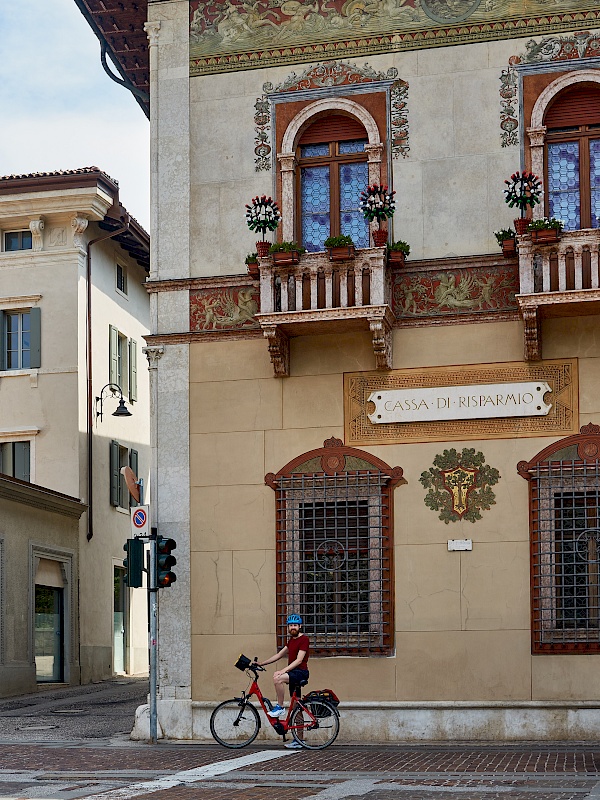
x=140 y=521
x=477 y=401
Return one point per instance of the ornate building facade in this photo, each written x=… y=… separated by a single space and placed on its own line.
x=405 y=454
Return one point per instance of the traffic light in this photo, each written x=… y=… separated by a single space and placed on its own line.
x=164 y=562
x=134 y=563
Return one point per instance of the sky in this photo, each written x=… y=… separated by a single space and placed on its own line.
x=59 y=108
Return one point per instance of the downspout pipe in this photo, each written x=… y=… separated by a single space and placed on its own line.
x=88 y=366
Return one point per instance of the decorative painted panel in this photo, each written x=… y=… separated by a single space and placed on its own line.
x=563 y=419
x=332 y=74
x=238 y=35
x=584 y=44
x=456 y=292
x=218 y=309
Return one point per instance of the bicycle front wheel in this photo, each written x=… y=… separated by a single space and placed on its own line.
x=234 y=723
x=317 y=734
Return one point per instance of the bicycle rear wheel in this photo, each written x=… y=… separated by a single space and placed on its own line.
x=234 y=723
x=319 y=734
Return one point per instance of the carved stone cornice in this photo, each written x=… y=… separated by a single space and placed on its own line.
x=153 y=353
x=36 y=226
x=79 y=224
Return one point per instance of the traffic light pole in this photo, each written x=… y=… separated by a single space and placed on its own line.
x=153 y=643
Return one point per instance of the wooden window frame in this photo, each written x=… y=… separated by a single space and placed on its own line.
x=334 y=160
x=582 y=135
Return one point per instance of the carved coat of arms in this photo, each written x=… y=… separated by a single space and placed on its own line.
x=459 y=485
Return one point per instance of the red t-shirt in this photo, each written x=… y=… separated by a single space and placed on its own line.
x=294 y=646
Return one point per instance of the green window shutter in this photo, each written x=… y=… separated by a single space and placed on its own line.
x=35 y=338
x=21 y=461
x=2 y=342
x=134 y=464
x=113 y=354
x=132 y=370
x=114 y=473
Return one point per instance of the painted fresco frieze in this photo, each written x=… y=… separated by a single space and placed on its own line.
x=459 y=485
x=453 y=292
x=239 y=34
x=224 y=309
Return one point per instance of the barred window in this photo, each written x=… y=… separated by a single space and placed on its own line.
x=334 y=549
x=564 y=488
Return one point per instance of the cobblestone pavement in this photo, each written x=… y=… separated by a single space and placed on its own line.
x=73 y=743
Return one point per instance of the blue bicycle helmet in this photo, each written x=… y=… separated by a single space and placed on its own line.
x=294 y=619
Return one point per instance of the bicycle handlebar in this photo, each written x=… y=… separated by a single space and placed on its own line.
x=256 y=667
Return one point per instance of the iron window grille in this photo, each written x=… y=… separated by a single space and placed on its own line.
x=564 y=497
x=334 y=540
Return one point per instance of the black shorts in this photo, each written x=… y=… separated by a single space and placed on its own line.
x=297 y=675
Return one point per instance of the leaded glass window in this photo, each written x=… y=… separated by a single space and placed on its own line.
x=573 y=176
x=332 y=176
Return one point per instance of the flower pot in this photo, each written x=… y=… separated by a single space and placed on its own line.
x=341 y=253
x=396 y=257
x=253 y=270
x=262 y=248
x=509 y=247
x=286 y=257
x=380 y=237
x=521 y=225
x=545 y=236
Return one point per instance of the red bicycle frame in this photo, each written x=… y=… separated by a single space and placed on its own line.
x=256 y=692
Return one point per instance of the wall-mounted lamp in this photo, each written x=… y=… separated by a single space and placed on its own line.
x=122 y=410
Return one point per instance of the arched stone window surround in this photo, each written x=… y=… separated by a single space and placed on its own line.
x=537 y=130
x=287 y=157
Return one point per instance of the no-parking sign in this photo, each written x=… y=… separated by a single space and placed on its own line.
x=139 y=520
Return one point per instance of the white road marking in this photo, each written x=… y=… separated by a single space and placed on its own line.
x=190 y=775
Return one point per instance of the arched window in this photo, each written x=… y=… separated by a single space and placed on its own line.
x=564 y=507
x=333 y=170
x=335 y=547
x=572 y=123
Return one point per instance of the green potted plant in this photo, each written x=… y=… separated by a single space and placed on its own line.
x=377 y=203
x=340 y=248
x=251 y=262
x=546 y=230
x=286 y=252
x=398 y=252
x=507 y=239
x=523 y=191
x=262 y=215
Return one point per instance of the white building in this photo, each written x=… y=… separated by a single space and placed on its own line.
x=72 y=271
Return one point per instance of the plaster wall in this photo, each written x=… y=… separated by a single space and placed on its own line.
x=20 y=527
x=458 y=615
x=449 y=188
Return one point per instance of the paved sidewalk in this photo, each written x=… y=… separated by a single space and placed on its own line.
x=119 y=771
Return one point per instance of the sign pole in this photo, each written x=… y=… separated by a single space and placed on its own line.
x=153 y=644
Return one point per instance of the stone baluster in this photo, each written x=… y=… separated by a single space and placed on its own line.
x=546 y=272
x=377 y=279
x=526 y=279
x=313 y=288
x=328 y=286
x=595 y=268
x=562 y=271
x=578 y=260
x=358 y=298
x=344 y=288
x=299 y=277
x=285 y=282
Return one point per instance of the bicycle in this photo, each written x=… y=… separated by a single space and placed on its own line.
x=235 y=723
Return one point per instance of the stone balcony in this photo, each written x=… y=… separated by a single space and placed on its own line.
x=316 y=296
x=560 y=279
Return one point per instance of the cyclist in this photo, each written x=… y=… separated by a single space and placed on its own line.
x=297 y=650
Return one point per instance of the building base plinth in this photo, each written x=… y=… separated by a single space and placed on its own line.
x=410 y=722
